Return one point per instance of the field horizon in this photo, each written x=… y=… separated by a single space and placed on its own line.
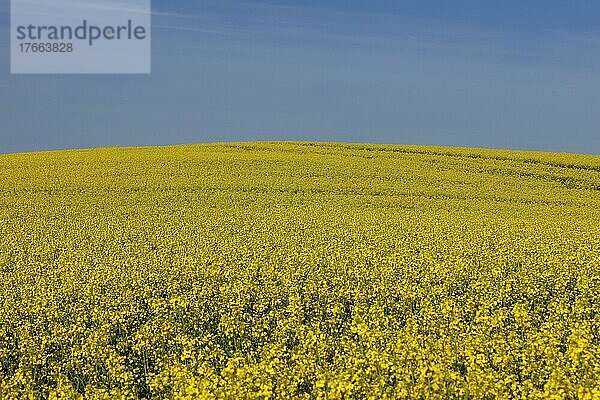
x=439 y=148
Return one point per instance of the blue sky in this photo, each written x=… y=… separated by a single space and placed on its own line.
x=509 y=74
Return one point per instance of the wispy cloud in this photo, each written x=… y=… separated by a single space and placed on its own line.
x=318 y=27
x=190 y=29
x=172 y=14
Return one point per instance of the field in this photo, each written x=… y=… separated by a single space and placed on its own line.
x=299 y=270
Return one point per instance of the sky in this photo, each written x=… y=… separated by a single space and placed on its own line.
x=510 y=74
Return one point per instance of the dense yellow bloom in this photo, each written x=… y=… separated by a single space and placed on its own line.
x=305 y=271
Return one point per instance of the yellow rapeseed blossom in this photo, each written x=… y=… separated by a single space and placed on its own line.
x=299 y=271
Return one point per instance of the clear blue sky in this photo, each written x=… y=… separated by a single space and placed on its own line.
x=509 y=74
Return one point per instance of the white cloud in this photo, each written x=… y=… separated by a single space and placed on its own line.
x=190 y=29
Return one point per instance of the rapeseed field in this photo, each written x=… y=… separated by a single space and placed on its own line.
x=299 y=271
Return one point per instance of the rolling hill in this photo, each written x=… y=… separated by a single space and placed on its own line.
x=299 y=270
